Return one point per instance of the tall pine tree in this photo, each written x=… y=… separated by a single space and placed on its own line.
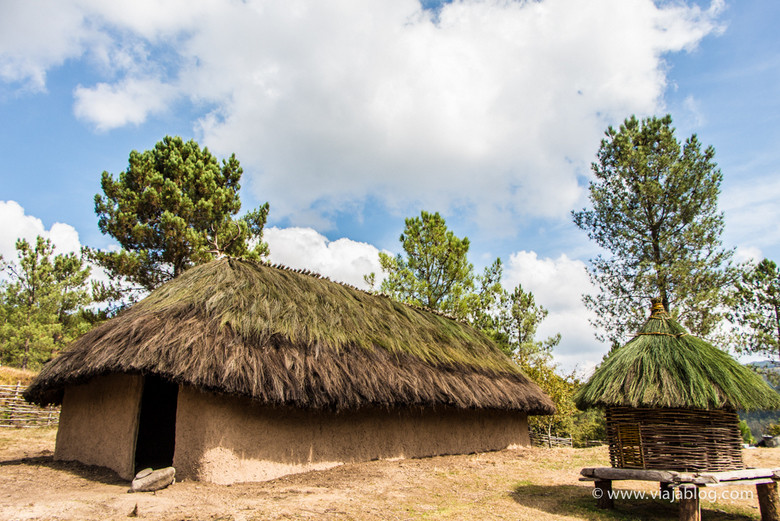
x=655 y=212
x=435 y=273
x=174 y=207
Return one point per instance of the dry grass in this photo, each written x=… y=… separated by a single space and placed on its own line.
x=12 y=375
x=529 y=484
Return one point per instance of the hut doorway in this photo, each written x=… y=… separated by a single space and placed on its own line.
x=156 y=437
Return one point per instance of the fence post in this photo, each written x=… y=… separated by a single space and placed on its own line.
x=13 y=402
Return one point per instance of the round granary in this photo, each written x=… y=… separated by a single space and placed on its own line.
x=671 y=400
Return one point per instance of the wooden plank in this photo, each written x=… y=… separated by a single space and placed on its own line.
x=696 y=479
x=739 y=482
x=609 y=473
x=734 y=475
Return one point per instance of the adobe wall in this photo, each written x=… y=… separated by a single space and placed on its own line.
x=98 y=423
x=226 y=440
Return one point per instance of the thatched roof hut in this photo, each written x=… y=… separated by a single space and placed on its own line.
x=287 y=344
x=671 y=400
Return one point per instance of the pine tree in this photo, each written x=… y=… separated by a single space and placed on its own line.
x=436 y=272
x=757 y=310
x=174 y=207
x=655 y=213
x=42 y=303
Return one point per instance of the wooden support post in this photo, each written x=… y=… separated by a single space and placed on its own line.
x=768 y=501
x=603 y=494
x=690 y=509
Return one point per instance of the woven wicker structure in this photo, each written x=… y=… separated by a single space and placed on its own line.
x=674 y=439
x=671 y=400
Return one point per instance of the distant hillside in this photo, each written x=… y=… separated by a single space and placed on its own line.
x=758 y=421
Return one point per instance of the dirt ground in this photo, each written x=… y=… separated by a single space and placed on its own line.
x=526 y=484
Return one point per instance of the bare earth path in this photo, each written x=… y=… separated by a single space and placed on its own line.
x=526 y=484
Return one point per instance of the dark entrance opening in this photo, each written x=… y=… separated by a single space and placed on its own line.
x=156 y=438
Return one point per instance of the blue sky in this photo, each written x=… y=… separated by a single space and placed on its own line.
x=349 y=116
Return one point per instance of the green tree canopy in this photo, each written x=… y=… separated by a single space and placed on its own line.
x=486 y=304
x=757 y=310
x=174 y=207
x=43 y=303
x=520 y=319
x=654 y=211
x=436 y=272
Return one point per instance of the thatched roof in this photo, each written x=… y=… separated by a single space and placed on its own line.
x=665 y=366
x=287 y=338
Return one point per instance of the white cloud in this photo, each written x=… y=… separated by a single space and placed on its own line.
x=343 y=260
x=35 y=36
x=748 y=254
x=558 y=285
x=15 y=224
x=115 y=105
x=495 y=108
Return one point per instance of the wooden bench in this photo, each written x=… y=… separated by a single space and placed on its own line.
x=689 y=484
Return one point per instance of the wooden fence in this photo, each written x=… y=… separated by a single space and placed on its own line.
x=542 y=440
x=16 y=412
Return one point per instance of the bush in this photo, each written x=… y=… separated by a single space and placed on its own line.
x=588 y=425
x=773 y=429
x=747 y=436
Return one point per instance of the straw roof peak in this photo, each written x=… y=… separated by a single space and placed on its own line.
x=665 y=366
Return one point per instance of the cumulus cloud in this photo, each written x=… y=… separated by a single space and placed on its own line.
x=115 y=105
x=491 y=107
x=558 y=285
x=18 y=225
x=343 y=260
x=35 y=36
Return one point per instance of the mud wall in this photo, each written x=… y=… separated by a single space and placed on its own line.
x=99 y=421
x=227 y=440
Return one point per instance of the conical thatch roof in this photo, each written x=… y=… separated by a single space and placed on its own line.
x=288 y=338
x=665 y=366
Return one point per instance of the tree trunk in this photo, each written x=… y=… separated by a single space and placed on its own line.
x=26 y=352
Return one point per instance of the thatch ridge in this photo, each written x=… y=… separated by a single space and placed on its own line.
x=310 y=273
x=287 y=337
x=665 y=366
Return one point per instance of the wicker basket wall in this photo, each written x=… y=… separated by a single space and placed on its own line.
x=685 y=440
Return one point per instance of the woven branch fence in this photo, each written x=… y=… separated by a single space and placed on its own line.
x=16 y=412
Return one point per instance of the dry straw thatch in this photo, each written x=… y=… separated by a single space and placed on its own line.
x=287 y=338
x=665 y=366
